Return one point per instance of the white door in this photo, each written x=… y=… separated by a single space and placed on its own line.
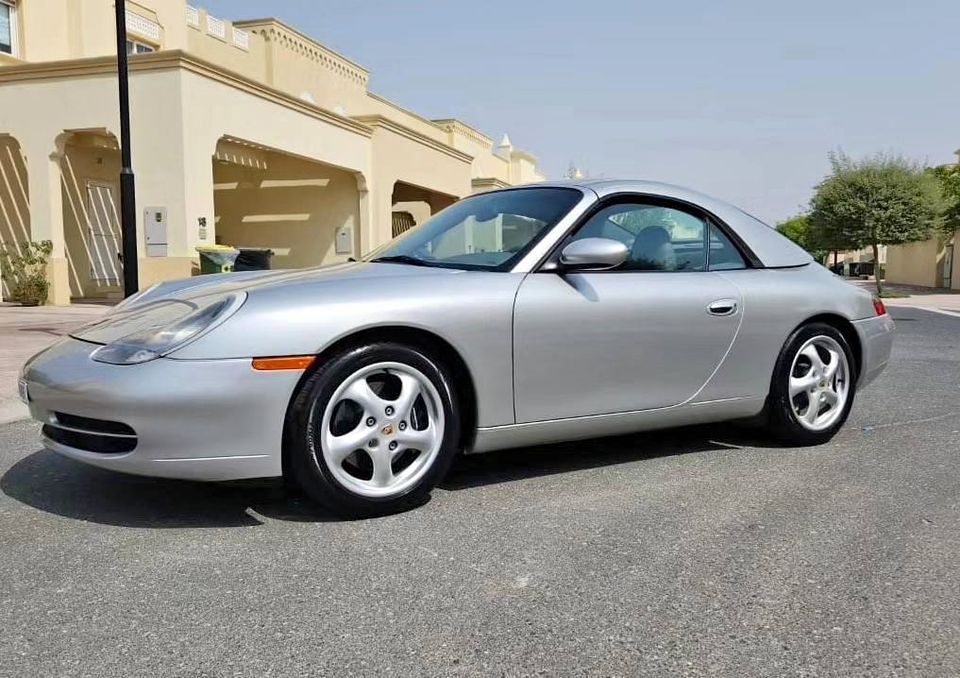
x=103 y=235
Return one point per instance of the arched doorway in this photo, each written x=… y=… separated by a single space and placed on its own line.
x=90 y=170
x=14 y=200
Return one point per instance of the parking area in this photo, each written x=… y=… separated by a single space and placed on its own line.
x=699 y=551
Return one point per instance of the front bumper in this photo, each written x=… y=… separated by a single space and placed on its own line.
x=876 y=341
x=192 y=419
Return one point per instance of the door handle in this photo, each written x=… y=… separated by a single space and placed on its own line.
x=722 y=307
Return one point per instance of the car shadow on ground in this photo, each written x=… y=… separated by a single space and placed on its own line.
x=60 y=486
x=543 y=460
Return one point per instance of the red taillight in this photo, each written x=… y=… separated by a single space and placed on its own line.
x=878 y=306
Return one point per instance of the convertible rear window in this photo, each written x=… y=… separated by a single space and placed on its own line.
x=489 y=231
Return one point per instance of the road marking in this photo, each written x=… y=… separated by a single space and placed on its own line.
x=941 y=311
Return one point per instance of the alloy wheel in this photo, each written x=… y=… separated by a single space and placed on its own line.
x=382 y=429
x=819 y=383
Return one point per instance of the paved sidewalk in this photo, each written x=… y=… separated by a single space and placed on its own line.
x=25 y=331
x=928 y=298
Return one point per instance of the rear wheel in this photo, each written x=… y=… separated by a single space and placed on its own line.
x=373 y=430
x=813 y=386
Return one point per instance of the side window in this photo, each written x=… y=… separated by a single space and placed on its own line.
x=8 y=27
x=724 y=256
x=658 y=238
x=137 y=47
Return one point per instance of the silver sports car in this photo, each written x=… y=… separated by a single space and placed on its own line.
x=529 y=315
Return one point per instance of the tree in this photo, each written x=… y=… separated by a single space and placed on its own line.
x=800 y=231
x=948 y=177
x=880 y=200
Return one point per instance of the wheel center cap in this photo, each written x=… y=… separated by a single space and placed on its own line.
x=387 y=430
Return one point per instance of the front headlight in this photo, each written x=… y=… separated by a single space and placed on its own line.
x=155 y=342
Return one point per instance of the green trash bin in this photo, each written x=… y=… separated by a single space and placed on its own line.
x=217 y=258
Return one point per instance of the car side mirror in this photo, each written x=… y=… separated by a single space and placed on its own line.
x=593 y=254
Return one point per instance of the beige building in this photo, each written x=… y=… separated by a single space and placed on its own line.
x=930 y=263
x=247 y=133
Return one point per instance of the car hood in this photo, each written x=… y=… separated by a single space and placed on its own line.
x=166 y=303
x=228 y=283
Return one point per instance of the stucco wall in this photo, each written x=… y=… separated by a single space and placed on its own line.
x=376 y=105
x=49 y=29
x=913 y=263
x=14 y=203
x=307 y=70
x=399 y=158
x=523 y=169
x=277 y=55
x=219 y=110
x=72 y=29
x=485 y=163
x=293 y=207
x=250 y=62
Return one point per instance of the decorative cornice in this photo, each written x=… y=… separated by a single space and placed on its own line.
x=43 y=70
x=459 y=127
x=378 y=120
x=392 y=104
x=488 y=183
x=276 y=31
x=172 y=59
x=523 y=155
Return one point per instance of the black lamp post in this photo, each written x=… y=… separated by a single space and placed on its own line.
x=128 y=208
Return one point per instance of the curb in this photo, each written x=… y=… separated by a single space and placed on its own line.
x=12 y=410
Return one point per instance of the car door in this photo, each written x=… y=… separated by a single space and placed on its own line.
x=646 y=335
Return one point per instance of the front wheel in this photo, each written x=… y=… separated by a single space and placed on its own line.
x=373 y=430
x=813 y=386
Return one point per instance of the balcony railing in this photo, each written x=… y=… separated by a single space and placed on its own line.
x=241 y=38
x=143 y=26
x=216 y=27
x=193 y=16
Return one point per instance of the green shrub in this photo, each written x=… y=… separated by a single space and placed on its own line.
x=24 y=268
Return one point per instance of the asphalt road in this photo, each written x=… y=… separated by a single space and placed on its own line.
x=704 y=551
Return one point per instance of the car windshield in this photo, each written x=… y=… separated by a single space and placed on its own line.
x=490 y=231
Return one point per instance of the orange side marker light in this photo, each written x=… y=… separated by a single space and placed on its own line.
x=288 y=362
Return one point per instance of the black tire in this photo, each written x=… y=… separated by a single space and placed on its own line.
x=306 y=463
x=782 y=422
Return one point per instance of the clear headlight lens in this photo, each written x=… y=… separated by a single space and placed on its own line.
x=152 y=343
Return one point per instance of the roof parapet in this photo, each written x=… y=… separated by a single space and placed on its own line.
x=276 y=31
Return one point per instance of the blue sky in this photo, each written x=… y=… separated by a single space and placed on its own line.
x=741 y=99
